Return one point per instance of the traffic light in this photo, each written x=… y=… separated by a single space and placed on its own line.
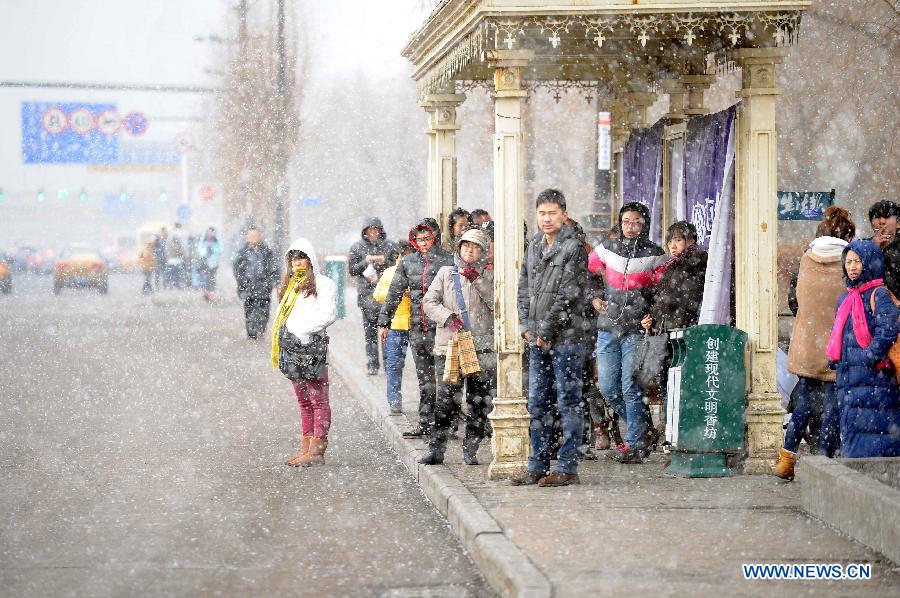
x=62 y=193
x=1 y=195
x=123 y=196
x=163 y=196
x=40 y=195
x=82 y=196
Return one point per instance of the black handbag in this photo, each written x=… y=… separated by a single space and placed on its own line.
x=650 y=360
x=302 y=362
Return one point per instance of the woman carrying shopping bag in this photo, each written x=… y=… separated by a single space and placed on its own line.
x=461 y=301
x=306 y=308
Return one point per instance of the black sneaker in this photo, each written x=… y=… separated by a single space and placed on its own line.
x=417 y=432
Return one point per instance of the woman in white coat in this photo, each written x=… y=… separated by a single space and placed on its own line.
x=306 y=308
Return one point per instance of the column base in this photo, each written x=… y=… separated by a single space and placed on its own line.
x=510 y=443
x=765 y=433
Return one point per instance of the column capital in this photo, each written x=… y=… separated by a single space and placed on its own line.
x=695 y=86
x=441 y=109
x=758 y=67
x=509 y=58
x=639 y=102
x=677 y=93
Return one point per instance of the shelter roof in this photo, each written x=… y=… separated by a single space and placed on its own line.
x=625 y=43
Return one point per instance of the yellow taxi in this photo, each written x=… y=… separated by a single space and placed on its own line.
x=5 y=274
x=80 y=266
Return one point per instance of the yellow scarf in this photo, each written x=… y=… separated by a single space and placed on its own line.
x=284 y=310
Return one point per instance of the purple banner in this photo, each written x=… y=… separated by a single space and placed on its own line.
x=705 y=163
x=642 y=167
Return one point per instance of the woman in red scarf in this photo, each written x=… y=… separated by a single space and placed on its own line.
x=866 y=386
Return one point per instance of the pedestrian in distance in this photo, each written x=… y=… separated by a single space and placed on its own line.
x=865 y=328
x=552 y=284
x=461 y=297
x=160 y=247
x=397 y=340
x=820 y=282
x=307 y=306
x=256 y=273
x=369 y=257
x=147 y=264
x=630 y=264
x=208 y=252
x=458 y=221
x=414 y=275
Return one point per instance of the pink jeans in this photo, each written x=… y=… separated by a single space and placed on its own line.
x=315 y=412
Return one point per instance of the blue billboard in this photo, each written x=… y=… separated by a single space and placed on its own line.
x=67 y=133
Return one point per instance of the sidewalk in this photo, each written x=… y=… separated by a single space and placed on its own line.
x=626 y=530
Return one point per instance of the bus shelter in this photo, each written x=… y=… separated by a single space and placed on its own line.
x=628 y=52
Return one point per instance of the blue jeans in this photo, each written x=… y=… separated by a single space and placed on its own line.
x=615 y=361
x=563 y=364
x=394 y=357
x=812 y=399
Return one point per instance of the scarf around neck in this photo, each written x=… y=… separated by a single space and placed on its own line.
x=851 y=306
x=284 y=310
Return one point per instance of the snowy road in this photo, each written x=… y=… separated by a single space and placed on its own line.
x=140 y=453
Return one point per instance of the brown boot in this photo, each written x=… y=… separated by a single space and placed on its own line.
x=304 y=448
x=558 y=478
x=784 y=469
x=316 y=453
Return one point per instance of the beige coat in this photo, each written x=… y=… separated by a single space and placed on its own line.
x=819 y=285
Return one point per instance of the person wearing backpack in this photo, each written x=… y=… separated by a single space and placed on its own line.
x=819 y=284
x=461 y=297
x=307 y=306
x=865 y=328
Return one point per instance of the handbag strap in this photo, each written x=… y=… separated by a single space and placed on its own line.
x=463 y=310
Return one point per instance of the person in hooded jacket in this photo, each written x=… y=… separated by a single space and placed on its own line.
x=551 y=306
x=307 y=306
x=476 y=282
x=256 y=273
x=820 y=282
x=630 y=265
x=369 y=257
x=413 y=276
x=865 y=383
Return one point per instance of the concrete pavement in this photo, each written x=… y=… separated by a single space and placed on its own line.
x=626 y=530
x=141 y=449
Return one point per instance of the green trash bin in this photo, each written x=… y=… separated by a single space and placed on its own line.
x=705 y=399
x=336 y=270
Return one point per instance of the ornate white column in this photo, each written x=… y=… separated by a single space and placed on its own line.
x=695 y=87
x=442 y=127
x=510 y=443
x=677 y=96
x=756 y=238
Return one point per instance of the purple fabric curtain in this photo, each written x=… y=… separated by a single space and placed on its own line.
x=642 y=166
x=705 y=155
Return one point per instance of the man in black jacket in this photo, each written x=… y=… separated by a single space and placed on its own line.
x=369 y=257
x=551 y=305
x=414 y=275
x=256 y=272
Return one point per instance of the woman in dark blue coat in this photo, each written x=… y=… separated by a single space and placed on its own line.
x=867 y=390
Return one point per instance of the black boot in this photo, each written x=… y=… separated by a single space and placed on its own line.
x=436 y=447
x=470 y=450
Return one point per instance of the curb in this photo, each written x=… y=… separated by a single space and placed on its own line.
x=506 y=568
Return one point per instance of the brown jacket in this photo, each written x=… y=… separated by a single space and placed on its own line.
x=819 y=285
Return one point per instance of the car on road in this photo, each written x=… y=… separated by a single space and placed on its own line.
x=5 y=273
x=80 y=265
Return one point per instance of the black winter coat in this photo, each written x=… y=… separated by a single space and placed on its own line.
x=678 y=294
x=255 y=284
x=552 y=289
x=357 y=263
x=414 y=274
